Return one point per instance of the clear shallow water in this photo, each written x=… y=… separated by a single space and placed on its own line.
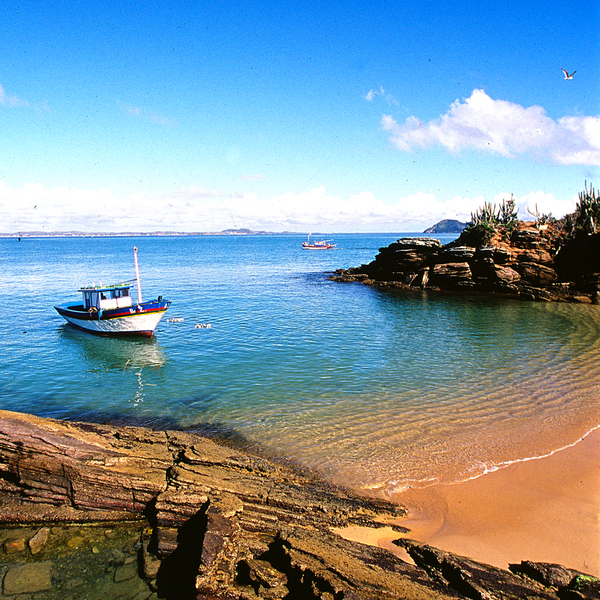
x=375 y=390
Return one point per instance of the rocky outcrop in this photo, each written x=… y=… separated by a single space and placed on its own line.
x=474 y=580
x=216 y=522
x=529 y=262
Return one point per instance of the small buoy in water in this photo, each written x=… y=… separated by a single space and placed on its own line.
x=203 y=326
x=175 y=320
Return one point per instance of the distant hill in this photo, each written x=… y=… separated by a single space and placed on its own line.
x=26 y=234
x=240 y=232
x=447 y=226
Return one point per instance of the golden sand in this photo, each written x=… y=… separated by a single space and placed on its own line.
x=544 y=510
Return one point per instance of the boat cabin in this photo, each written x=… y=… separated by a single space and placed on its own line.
x=104 y=297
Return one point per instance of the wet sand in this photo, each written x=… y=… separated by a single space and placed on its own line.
x=544 y=510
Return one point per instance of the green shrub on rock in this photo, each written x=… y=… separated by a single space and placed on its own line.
x=487 y=219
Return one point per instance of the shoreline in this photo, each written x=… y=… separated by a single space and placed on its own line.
x=532 y=458
x=219 y=522
x=543 y=509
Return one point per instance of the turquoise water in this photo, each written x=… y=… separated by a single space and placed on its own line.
x=374 y=390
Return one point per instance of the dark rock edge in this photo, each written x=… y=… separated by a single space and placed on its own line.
x=527 y=262
x=229 y=524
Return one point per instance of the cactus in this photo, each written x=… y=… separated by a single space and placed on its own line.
x=508 y=212
x=587 y=212
x=541 y=219
x=488 y=214
x=484 y=215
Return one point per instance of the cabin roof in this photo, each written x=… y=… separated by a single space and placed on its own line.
x=104 y=288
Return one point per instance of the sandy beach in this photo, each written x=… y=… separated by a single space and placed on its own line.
x=545 y=510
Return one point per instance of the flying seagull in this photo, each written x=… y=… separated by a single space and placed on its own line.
x=567 y=76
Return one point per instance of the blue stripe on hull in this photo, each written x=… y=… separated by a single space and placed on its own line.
x=76 y=311
x=135 y=320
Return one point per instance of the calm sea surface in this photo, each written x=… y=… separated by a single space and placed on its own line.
x=375 y=390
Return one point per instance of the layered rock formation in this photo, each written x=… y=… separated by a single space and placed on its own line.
x=216 y=522
x=527 y=262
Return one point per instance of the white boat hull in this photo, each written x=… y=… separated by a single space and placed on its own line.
x=140 y=319
x=109 y=310
x=135 y=324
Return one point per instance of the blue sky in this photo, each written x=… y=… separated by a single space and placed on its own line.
x=287 y=116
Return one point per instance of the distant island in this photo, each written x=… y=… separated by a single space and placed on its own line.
x=447 y=226
x=28 y=234
x=444 y=226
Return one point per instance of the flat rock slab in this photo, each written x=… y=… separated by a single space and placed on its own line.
x=28 y=578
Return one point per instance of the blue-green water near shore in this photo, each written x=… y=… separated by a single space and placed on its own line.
x=375 y=390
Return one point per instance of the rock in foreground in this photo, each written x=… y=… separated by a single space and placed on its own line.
x=226 y=524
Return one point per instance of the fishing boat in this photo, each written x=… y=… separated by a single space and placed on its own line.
x=109 y=309
x=320 y=245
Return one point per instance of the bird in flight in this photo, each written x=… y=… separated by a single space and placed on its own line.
x=567 y=76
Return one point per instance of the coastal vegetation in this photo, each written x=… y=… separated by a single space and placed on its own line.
x=586 y=218
x=491 y=219
x=544 y=259
x=488 y=219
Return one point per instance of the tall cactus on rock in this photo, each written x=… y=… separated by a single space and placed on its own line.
x=587 y=212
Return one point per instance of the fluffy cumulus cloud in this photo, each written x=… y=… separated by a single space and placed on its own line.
x=503 y=128
x=34 y=208
x=540 y=203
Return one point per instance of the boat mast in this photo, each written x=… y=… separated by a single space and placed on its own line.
x=137 y=275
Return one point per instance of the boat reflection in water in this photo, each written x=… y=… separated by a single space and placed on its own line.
x=111 y=356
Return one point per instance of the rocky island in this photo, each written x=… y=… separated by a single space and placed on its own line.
x=545 y=259
x=211 y=521
x=446 y=226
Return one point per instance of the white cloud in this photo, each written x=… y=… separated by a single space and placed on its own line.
x=137 y=111
x=372 y=94
x=504 y=128
x=34 y=208
x=11 y=101
x=543 y=203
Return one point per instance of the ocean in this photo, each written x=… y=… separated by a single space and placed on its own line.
x=379 y=391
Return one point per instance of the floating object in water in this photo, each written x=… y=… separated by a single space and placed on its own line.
x=321 y=245
x=109 y=309
x=202 y=326
x=175 y=320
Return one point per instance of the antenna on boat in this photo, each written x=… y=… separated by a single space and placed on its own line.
x=137 y=275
